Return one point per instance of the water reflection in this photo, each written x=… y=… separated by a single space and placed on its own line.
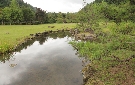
x=43 y=61
x=41 y=39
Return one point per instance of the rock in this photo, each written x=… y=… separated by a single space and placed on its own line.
x=7 y=33
x=89 y=30
x=31 y=34
x=46 y=32
x=62 y=30
x=12 y=65
x=71 y=31
x=67 y=29
x=87 y=72
x=76 y=31
x=85 y=36
x=54 y=31
x=23 y=43
x=58 y=30
x=51 y=26
x=78 y=36
x=90 y=37
x=38 y=34
x=50 y=31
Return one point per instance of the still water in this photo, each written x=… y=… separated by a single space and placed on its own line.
x=47 y=60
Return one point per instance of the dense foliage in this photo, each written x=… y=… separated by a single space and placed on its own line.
x=19 y=12
x=112 y=53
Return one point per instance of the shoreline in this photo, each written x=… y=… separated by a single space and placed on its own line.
x=31 y=37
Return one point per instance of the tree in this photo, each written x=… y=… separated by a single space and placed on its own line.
x=45 y=17
x=28 y=15
x=1 y=16
x=51 y=17
x=40 y=15
x=89 y=16
x=4 y=3
x=60 y=17
x=6 y=13
x=16 y=12
x=111 y=1
x=132 y=2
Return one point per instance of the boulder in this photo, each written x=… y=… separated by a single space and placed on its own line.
x=85 y=36
x=87 y=72
x=51 y=26
x=76 y=31
x=89 y=30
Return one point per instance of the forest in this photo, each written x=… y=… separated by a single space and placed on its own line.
x=19 y=12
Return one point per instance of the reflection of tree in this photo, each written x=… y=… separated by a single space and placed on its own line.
x=6 y=57
x=41 y=40
x=59 y=35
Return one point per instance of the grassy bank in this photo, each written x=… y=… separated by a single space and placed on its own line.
x=11 y=35
x=112 y=55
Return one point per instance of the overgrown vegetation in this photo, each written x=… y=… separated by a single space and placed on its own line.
x=112 y=54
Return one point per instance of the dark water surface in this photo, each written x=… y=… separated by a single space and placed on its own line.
x=46 y=61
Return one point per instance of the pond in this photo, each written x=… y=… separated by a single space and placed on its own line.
x=46 y=60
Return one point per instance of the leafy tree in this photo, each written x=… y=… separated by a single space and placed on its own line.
x=16 y=13
x=28 y=14
x=71 y=17
x=111 y=1
x=40 y=15
x=51 y=17
x=45 y=17
x=6 y=13
x=1 y=16
x=132 y=2
x=89 y=16
x=4 y=3
x=60 y=17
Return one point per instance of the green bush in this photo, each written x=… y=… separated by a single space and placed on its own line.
x=125 y=28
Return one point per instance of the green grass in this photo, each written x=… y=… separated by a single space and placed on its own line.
x=11 y=35
x=111 y=54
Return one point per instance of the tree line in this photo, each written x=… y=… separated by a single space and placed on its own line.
x=116 y=11
x=19 y=12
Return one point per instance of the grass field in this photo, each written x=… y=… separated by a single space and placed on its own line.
x=11 y=35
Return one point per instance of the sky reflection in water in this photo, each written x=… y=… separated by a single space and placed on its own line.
x=52 y=63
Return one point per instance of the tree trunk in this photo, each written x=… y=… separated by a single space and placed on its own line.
x=2 y=22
